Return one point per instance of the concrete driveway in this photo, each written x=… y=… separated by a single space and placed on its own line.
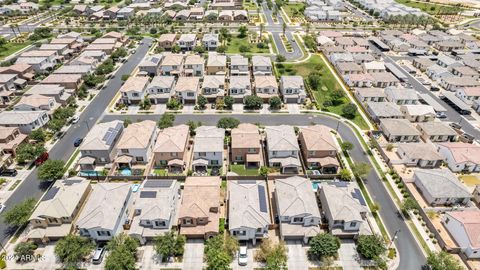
x=293 y=108
x=348 y=255
x=297 y=256
x=193 y=256
x=237 y=108
x=188 y=108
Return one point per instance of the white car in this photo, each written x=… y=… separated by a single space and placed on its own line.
x=242 y=256
x=75 y=119
x=2 y=207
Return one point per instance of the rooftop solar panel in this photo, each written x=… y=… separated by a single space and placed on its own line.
x=148 y=194
x=262 y=199
x=158 y=183
x=50 y=194
x=358 y=195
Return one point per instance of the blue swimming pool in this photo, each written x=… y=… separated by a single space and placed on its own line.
x=88 y=173
x=315 y=185
x=126 y=172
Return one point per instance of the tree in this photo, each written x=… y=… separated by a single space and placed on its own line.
x=201 y=101
x=324 y=245
x=228 y=101
x=176 y=48
x=242 y=31
x=228 y=123
x=72 y=249
x=221 y=49
x=24 y=250
x=123 y=249
x=19 y=214
x=126 y=122
x=29 y=151
x=199 y=49
x=169 y=244
x=3 y=42
x=275 y=103
x=244 y=48
x=361 y=169
x=253 y=102
x=409 y=204
x=173 y=104
x=192 y=126
x=219 y=252
x=274 y=255
x=345 y=175
x=280 y=58
x=263 y=171
x=347 y=146
x=370 y=246
x=219 y=104
x=146 y=104
x=349 y=111
x=51 y=170
x=284 y=27
x=314 y=79
x=125 y=77
x=443 y=261
x=38 y=135
x=166 y=120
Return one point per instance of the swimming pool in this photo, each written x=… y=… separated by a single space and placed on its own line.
x=126 y=172
x=315 y=186
x=89 y=173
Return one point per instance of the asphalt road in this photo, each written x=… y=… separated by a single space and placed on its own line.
x=411 y=256
x=26 y=27
x=452 y=115
x=64 y=148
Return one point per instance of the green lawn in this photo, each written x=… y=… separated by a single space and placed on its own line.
x=294 y=10
x=431 y=8
x=328 y=83
x=11 y=47
x=242 y=171
x=249 y=5
x=160 y=172
x=234 y=46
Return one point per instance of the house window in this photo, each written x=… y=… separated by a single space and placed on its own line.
x=139 y=159
x=311 y=153
x=259 y=230
x=447 y=220
x=298 y=219
x=163 y=162
x=124 y=151
x=202 y=154
x=353 y=224
x=135 y=94
x=274 y=153
x=159 y=223
x=103 y=233
x=239 y=158
x=187 y=221
x=214 y=162
x=190 y=94
x=252 y=150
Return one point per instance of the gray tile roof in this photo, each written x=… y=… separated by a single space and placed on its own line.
x=441 y=183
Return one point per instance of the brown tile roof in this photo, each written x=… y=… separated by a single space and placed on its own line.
x=246 y=136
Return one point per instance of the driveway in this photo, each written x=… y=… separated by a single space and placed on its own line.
x=188 y=108
x=237 y=108
x=193 y=256
x=160 y=108
x=265 y=109
x=348 y=255
x=297 y=256
x=293 y=108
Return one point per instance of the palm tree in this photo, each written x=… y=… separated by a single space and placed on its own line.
x=262 y=26
x=284 y=27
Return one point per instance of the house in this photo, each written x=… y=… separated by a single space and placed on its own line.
x=110 y=13
x=53 y=217
x=39 y=64
x=23 y=71
x=437 y=132
x=216 y=64
x=463 y=226
x=465 y=72
x=246 y=145
x=266 y=87
x=225 y=15
x=167 y=41
x=345 y=209
x=187 y=88
x=61 y=49
x=136 y=143
x=440 y=187
x=437 y=72
x=172 y=65
x=208 y=148
x=248 y=210
x=318 y=148
x=58 y=92
x=35 y=103
x=359 y=80
x=10 y=139
x=297 y=209
x=99 y=146
x=200 y=207
x=346 y=68
x=460 y=157
x=213 y=87
x=26 y=121
x=374 y=67
x=160 y=89
x=468 y=94
x=292 y=89
x=133 y=90
x=448 y=45
x=196 y=13
x=283 y=149
x=422 y=63
x=401 y=96
x=418 y=113
x=187 y=41
x=383 y=110
x=239 y=88
x=423 y=155
x=154 y=209
x=107 y=48
x=74 y=69
x=105 y=212
x=210 y=41
x=384 y=79
x=399 y=130
x=370 y=94
x=170 y=150
x=69 y=81
x=262 y=65
x=453 y=83
x=194 y=65
x=150 y=65
x=125 y=13
x=239 y=66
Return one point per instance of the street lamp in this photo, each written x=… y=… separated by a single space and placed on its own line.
x=338 y=124
x=393 y=238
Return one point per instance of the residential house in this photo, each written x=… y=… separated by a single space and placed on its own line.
x=383 y=110
x=210 y=41
x=440 y=187
x=460 y=157
x=239 y=66
x=167 y=41
x=208 y=148
x=170 y=150
x=239 y=88
x=160 y=89
x=318 y=148
x=110 y=13
x=248 y=210
x=200 y=207
x=384 y=79
x=463 y=227
x=448 y=45
x=53 y=216
x=437 y=72
x=105 y=212
x=196 y=13
x=150 y=65
x=359 y=80
x=75 y=69
x=58 y=92
x=374 y=67
x=453 y=83
x=133 y=90
x=422 y=63
x=346 y=68
x=465 y=72
x=401 y=96
x=136 y=143
x=246 y=145
x=468 y=94
x=213 y=87
x=10 y=139
x=418 y=113
x=297 y=209
x=26 y=121
x=172 y=65
x=69 y=81
x=154 y=208
x=266 y=87
x=423 y=155
x=292 y=89
x=370 y=94
x=262 y=65
x=35 y=103
x=99 y=146
x=344 y=208
x=194 y=65
x=216 y=64
x=399 y=130
x=23 y=71
x=187 y=89
x=283 y=149
x=187 y=41
x=437 y=132
x=125 y=13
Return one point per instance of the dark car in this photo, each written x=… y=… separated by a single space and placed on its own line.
x=41 y=159
x=77 y=142
x=8 y=172
x=215 y=171
x=434 y=88
x=455 y=126
x=441 y=115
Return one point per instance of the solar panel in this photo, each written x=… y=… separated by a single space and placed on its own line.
x=148 y=194
x=107 y=135
x=246 y=182
x=158 y=183
x=358 y=195
x=69 y=182
x=340 y=183
x=262 y=199
x=50 y=193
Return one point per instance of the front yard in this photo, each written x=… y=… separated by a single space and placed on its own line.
x=327 y=86
x=242 y=171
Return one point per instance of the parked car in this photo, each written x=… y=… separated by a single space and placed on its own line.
x=215 y=171
x=75 y=119
x=9 y=172
x=41 y=159
x=434 y=88
x=441 y=115
x=455 y=126
x=242 y=256
x=98 y=255
x=466 y=138
x=2 y=207
x=77 y=142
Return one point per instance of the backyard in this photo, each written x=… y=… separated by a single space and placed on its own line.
x=11 y=47
x=249 y=5
x=294 y=10
x=431 y=8
x=235 y=44
x=242 y=171
x=328 y=84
